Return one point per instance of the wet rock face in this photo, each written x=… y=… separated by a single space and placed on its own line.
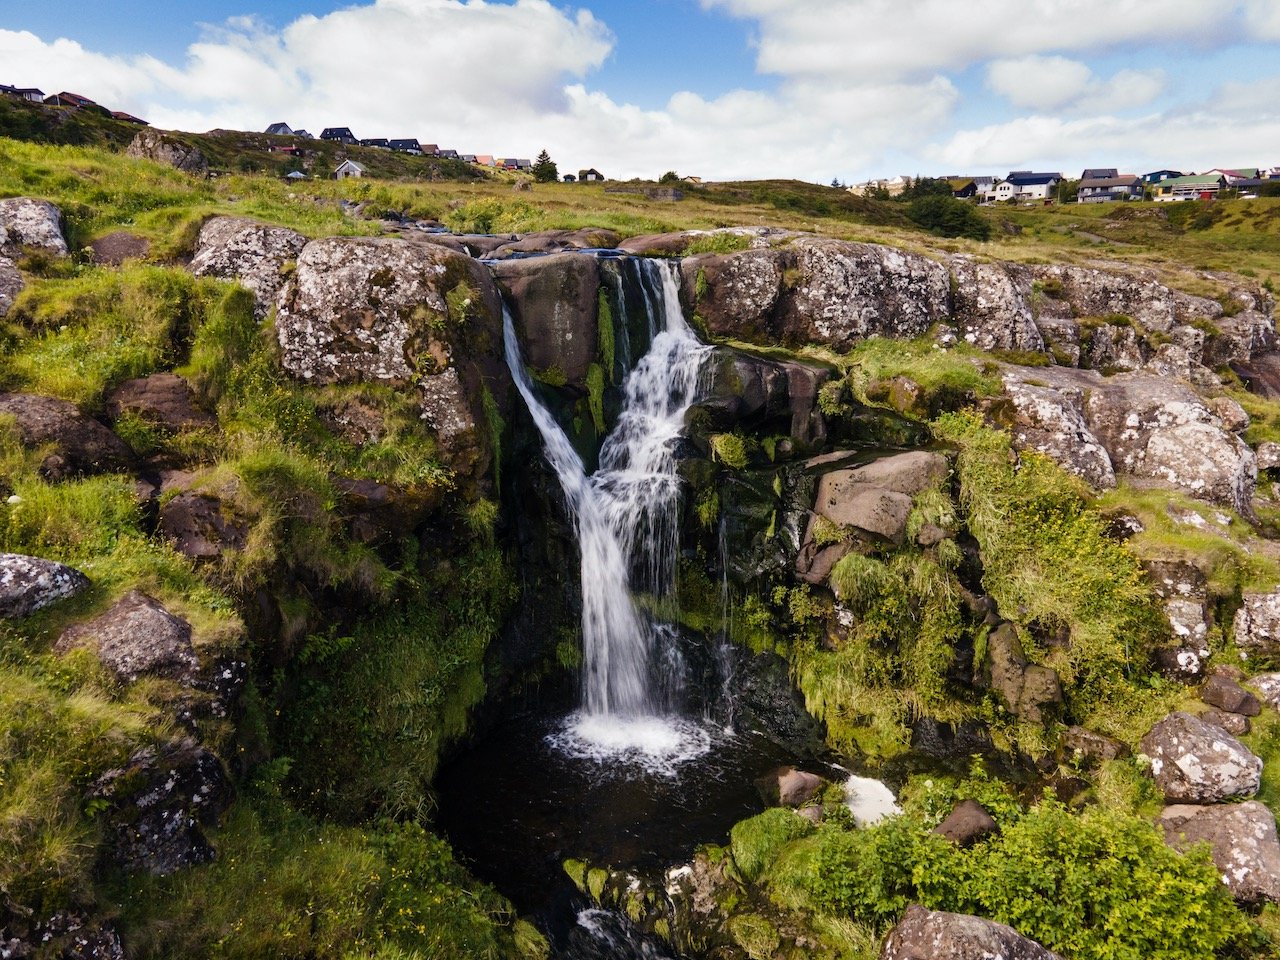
x=28 y=584
x=81 y=444
x=158 y=803
x=236 y=248
x=155 y=146
x=992 y=306
x=1242 y=842
x=31 y=224
x=1196 y=762
x=164 y=399
x=766 y=395
x=554 y=305
x=1256 y=626
x=65 y=935
x=136 y=636
x=933 y=935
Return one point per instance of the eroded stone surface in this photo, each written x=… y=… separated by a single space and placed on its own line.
x=11 y=284
x=253 y=253
x=1242 y=841
x=164 y=399
x=136 y=636
x=992 y=306
x=553 y=301
x=1256 y=627
x=80 y=445
x=933 y=935
x=1196 y=762
x=28 y=584
x=1050 y=420
x=161 y=148
x=33 y=224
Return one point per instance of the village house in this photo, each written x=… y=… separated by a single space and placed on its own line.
x=379 y=142
x=23 y=93
x=1156 y=176
x=66 y=99
x=348 y=168
x=303 y=134
x=1025 y=186
x=448 y=154
x=408 y=145
x=279 y=130
x=128 y=118
x=1203 y=187
x=467 y=158
x=962 y=188
x=1106 y=189
x=430 y=150
x=1234 y=175
x=485 y=160
x=339 y=135
x=893 y=186
x=569 y=178
x=590 y=175
x=1100 y=173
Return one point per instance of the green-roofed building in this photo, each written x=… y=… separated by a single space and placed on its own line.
x=1203 y=187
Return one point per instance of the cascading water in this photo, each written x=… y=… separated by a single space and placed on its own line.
x=627 y=519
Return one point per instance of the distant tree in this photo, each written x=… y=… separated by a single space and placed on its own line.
x=835 y=182
x=1068 y=191
x=949 y=217
x=924 y=187
x=544 y=169
x=669 y=177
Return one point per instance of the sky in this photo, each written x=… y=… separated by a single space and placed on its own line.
x=723 y=89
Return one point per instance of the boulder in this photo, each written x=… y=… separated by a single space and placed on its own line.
x=164 y=399
x=115 y=248
x=774 y=396
x=1093 y=746
x=158 y=803
x=789 y=787
x=992 y=306
x=554 y=304
x=874 y=510
x=1242 y=842
x=556 y=241
x=967 y=823
x=26 y=223
x=253 y=253
x=906 y=473
x=1261 y=375
x=137 y=636
x=171 y=151
x=659 y=244
x=1256 y=627
x=1240 y=338
x=11 y=284
x=1050 y=420
x=1112 y=348
x=1196 y=762
x=1268 y=454
x=1136 y=294
x=737 y=294
x=80 y=445
x=201 y=526
x=1235 y=724
x=1228 y=695
x=933 y=935
x=66 y=935
x=28 y=584
x=1268 y=687
x=1028 y=690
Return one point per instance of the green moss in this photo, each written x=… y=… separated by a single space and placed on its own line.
x=757 y=841
x=700 y=287
x=718 y=242
x=577 y=872
x=948 y=379
x=595 y=396
x=755 y=935
x=606 y=347
x=496 y=427
x=597 y=877
x=552 y=376
x=729 y=449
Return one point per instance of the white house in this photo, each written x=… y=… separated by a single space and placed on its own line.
x=348 y=168
x=1024 y=185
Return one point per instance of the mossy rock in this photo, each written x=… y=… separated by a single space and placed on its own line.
x=596 y=879
x=577 y=872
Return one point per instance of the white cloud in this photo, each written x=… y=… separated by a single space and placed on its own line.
x=1263 y=17
x=1057 y=83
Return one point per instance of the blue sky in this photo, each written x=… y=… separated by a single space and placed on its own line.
x=720 y=88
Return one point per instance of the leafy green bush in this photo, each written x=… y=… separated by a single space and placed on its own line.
x=949 y=217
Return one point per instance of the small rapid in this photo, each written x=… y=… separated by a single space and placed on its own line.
x=626 y=516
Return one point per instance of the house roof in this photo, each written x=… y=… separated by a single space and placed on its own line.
x=1128 y=180
x=485 y=160
x=1100 y=173
x=128 y=117
x=430 y=148
x=295 y=175
x=280 y=129
x=304 y=134
x=359 y=167
x=73 y=98
x=960 y=183
x=374 y=142
x=334 y=133
x=1203 y=180
x=408 y=143
x=1026 y=178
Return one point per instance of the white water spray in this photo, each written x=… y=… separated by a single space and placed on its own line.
x=627 y=519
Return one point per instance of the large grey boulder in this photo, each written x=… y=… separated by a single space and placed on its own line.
x=1242 y=842
x=28 y=584
x=171 y=151
x=79 y=444
x=1137 y=294
x=253 y=253
x=1197 y=762
x=11 y=284
x=554 y=305
x=26 y=223
x=992 y=306
x=1256 y=627
x=1050 y=420
x=137 y=636
x=933 y=935
x=159 y=802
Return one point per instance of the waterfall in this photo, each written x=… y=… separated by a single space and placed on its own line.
x=626 y=516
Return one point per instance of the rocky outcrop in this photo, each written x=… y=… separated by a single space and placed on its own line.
x=992 y=306
x=741 y=390
x=202 y=526
x=933 y=935
x=11 y=284
x=1148 y=427
x=1229 y=696
x=967 y=823
x=28 y=584
x=1196 y=762
x=1183 y=592
x=29 y=224
x=554 y=305
x=137 y=636
x=162 y=399
x=1256 y=627
x=253 y=253
x=1092 y=292
x=1029 y=691
x=159 y=147
x=79 y=444
x=1242 y=842
x=159 y=802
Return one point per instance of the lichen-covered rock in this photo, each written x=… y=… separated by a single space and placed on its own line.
x=253 y=253
x=1196 y=762
x=164 y=399
x=1050 y=420
x=847 y=292
x=28 y=584
x=933 y=935
x=1256 y=627
x=992 y=308
x=1090 y=745
x=158 y=803
x=1242 y=842
x=553 y=303
x=137 y=636
x=1268 y=687
x=737 y=294
x=11 y=284
x=66 y=935
x=30 y=224
x=202 y=526
x=159 y=147
x=1235 y=724
x=1135 y=294
x=1111 y=348
x=1240 y=338
x=80 y=445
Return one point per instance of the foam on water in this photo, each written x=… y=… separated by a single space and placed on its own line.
x=652 y=745
x=869 y=800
